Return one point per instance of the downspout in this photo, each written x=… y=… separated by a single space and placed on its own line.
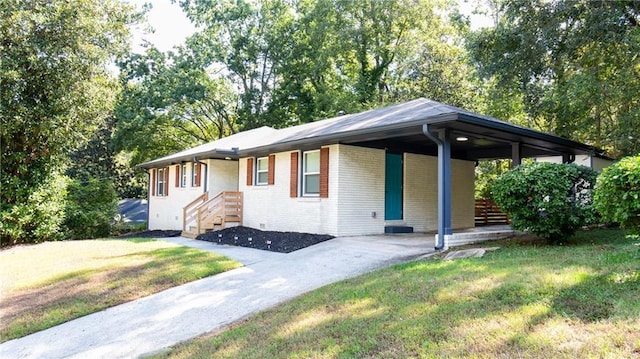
x=444 y=185
x=148 y=197
x=206 y=171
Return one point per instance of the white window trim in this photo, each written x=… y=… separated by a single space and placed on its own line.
x=183 y=175
x=194 y=173
x=303 y=174
x=160 y=179
x=259 y=171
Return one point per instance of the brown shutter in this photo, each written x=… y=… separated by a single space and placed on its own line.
x=271 y=173
x=293 y=185
x=324 y=172
x=153 y=182
x=198 y=170
x=249 y=171
x=178 y=176
x=166 y=181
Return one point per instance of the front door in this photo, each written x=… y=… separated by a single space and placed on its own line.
x=393 y=187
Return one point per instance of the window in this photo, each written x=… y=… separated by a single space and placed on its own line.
x=311 y=173
x=262 y=170
x=195 y=174
x=183 y=177
x=161 y=182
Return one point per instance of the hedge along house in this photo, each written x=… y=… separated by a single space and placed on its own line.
x=407 y=167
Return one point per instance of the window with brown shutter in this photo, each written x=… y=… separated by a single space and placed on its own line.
x=250 y=171
x=293 y=184
x=195 y=174
x=183 y=175
x=324 y=172
x=162 y=174
x=262 y=171
x=310 y=173
x=271 y=176
x=177 y=184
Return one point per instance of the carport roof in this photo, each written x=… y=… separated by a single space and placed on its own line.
x=397 y=128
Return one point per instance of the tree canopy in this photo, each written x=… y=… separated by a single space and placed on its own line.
x=55 y=91
x=573 y=65
x=280 y=63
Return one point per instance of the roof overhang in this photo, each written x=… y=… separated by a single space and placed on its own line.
x=396 y=128
x=472 y=138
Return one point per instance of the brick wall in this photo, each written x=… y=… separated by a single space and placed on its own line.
x=166 y=212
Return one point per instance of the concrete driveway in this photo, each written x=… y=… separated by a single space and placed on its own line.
x=177 y=314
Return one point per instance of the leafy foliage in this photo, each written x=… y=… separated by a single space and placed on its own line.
x=55 y=92
x=486 y=173
x=280 y=63
x=617 y=194
x=550 y=200
x=39 y=218
x=308 y=60
x=169 y=102
x=571 y=64
x=91 y=208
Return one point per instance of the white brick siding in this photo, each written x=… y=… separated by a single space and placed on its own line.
x=421 y=193
x=270 y=207
x=462 y=194
x=166 y=212
x=356 y=189
x=360 y=190
x=222 y=176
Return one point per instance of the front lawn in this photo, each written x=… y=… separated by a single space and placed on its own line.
x=525 y=300
x=50 y=283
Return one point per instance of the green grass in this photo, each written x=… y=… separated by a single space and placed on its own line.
x=525 y=300
x=50 y=283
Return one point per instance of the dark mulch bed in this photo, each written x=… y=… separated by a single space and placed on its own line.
x=152 y=234
x=283 y=242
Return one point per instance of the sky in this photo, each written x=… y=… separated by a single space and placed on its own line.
x=172 y=26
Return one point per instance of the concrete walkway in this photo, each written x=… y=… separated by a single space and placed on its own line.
x=177 y=314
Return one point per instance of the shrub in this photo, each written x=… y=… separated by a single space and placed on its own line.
x=39 y=218
x=617 y=194
x=91 y=208
x=547 y=199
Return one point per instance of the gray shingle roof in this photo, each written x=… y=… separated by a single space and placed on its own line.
x=400 y=117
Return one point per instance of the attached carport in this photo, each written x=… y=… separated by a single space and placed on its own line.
x=427 y=127
x=466 y=136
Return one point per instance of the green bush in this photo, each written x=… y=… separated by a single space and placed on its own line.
x=547 y=199
x=91 y=208
x=38 y=219
x=617 y=194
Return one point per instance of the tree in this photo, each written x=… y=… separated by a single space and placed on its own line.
x=573 y=63
x=53 y=95
x=301 y=61
x=169 y=103
x=248 y=38
x=548 y=199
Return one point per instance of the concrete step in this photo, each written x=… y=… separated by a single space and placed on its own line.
x=398 y=229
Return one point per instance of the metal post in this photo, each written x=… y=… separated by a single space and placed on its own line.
x=444 y=184
x=516 y=157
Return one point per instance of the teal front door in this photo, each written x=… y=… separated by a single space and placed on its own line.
x=393 y=187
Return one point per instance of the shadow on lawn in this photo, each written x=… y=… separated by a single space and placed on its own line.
x=435 y=308
x=79 y=293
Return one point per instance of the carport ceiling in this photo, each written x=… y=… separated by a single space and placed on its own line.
x=472 y=141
